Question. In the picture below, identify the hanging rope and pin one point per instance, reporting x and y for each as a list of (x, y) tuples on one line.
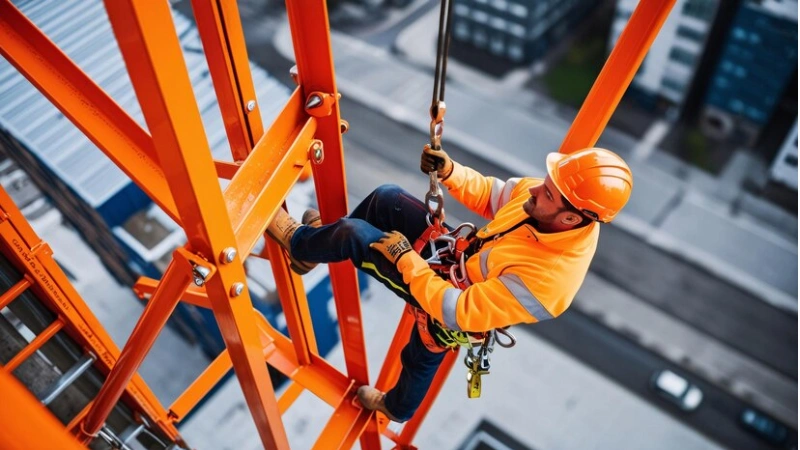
[(438, 106)]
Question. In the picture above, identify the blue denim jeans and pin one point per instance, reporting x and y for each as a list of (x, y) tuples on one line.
[(387, 208)]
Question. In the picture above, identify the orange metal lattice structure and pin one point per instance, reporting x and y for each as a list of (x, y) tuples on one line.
[(173, 165)]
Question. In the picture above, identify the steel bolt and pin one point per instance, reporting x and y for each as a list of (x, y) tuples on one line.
[(200, 275), (228, 255), (313, 101), (236, 289), (251, 105), (316, 151)]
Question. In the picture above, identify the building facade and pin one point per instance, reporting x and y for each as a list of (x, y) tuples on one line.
[(757, 61), (669, 69), (517, 30), (784, 167)]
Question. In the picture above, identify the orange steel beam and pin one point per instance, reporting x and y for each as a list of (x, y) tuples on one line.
[(14, 292), (345, 425), (295, 307), (145, 288), (81, 100), (254, 194), (27, 423), (308, 21), (312, 49), (34, 345), (289, 395), (176, 278), (201, 386), (617, 73), (223, 43), (26, 251), (152, 53)]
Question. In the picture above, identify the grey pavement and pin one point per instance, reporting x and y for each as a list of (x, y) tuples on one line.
[(541, 400), (673, 206)]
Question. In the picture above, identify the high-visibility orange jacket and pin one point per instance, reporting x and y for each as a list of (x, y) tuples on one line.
[(522, 276)]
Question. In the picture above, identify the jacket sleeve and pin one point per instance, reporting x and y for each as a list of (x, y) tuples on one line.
[(494, 303), (481, 194)]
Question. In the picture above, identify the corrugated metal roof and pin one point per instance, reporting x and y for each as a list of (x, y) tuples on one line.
[(83, 32)]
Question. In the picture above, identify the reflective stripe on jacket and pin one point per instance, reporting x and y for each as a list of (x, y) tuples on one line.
[(523, 276)]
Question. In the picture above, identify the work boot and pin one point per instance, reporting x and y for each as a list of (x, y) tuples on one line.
[(282, 229), (373, 400), (311, 218)]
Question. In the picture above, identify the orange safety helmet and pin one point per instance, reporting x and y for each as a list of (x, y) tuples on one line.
[(595, 181)]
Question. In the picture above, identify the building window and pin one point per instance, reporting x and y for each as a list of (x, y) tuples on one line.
[(500, 5), (480, 16), (461, 30), (517, 30), (701, 9), (496, 45), (497, 23), (480, 38), (690, 33), (675, 85), (516, 52), (518, 10), (461, 10), (682, 56)]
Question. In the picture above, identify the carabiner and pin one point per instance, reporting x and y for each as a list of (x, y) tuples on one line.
[(508, 344), (435, 197)]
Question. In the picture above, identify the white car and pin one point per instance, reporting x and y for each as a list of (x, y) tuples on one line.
[(677, 390)]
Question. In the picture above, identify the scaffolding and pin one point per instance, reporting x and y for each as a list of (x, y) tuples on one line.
[(173, 164)]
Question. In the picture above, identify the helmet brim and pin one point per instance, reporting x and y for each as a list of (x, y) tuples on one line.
[(552, 163)]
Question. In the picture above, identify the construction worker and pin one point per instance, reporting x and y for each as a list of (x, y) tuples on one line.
[(526, 265)]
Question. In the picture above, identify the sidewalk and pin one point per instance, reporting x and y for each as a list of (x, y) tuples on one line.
[(673, 206)]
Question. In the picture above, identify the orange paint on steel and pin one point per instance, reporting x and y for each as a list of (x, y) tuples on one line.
[(145, 287), (262, 182), (617, 73), (290, 394), (223, 44), (345, 425), (27, 424), (201, 386), (176, 278), (34, 345), (226, 170), (294, 304), (26, 251), (72, 426), (152, 53), (311, 38), (14, 291), (81, 100)]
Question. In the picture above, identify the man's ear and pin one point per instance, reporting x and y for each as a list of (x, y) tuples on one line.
[(571, 219)]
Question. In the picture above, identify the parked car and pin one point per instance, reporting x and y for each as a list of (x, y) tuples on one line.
[(763, 426), (677, 390)]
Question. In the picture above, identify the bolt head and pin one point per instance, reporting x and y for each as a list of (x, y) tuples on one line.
[(237, 289), (251, 105), (228, 255), (198, 281)]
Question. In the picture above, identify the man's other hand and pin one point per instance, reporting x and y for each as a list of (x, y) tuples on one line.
[(392, 246), (436, 160)]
